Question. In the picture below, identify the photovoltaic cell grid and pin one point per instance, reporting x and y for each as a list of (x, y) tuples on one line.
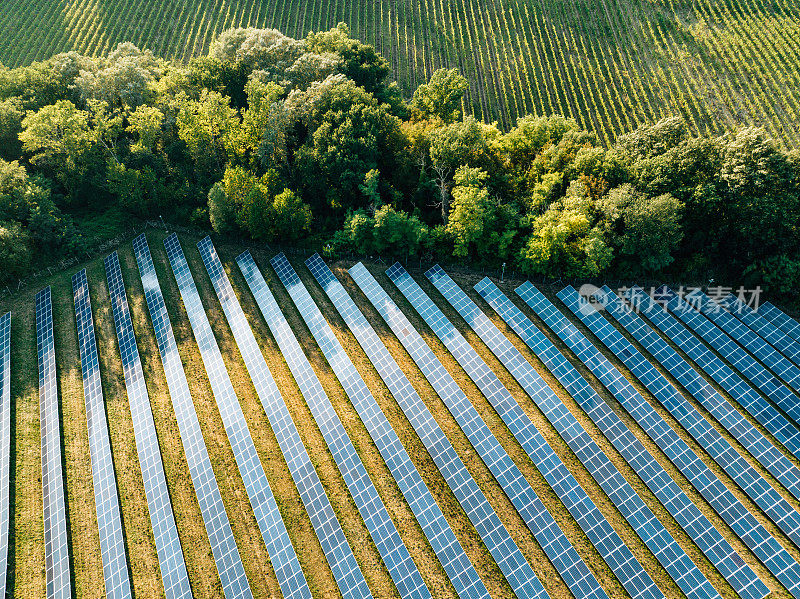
[(5, 443), (749, 436), (165, 532), (768, 331), (739, 469), (109, 520), (496, 537), (740, 390), (279, 546), (56, 553), (223, 546), (781, 320), (771, 357), (343, 565), (430, 517), (771, 386), (754, 535), (697, 526), (395, 554)]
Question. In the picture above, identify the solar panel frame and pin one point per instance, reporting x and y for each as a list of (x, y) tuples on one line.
[(56, 549), (724, 557), (5, 444), (265, 508), (495, 536), (104, 480), (430, 517), (730, 509), (333, 541), (781, 320), (220, 535), (668, 552), (174, 576), (737, 425), (758, 407), (763, 327)]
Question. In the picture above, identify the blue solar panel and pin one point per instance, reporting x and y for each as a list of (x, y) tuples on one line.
[(430, 517), (771, 386), (56, 552), (708, 538), (739, 389), (109, 520), (5, 443), (739, 427), (639, 516), (165, 532), (279, 546), (781, 320), (768, 331), (223, 546), (329, 532), (496, 537), (755, 536), (738, 468)]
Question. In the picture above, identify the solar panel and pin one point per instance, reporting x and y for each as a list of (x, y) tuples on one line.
[(323, 518), (691, 519), (223, 546), (430, 517), (755, 536), (780, 319), (494, 534), (56, 552), (639, 516), (109, 520), (5, 443), (761, 325), (165, 533), (739, 389), (273, 531), (737, 425), (738, 357), (717, 446)]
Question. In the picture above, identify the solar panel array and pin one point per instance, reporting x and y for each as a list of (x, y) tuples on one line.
[(730, 460), (165, 533), (728, 379), (109, 520), (743, 523), (691, 519), (781, 320), (766, 329), (5, 443), (771, 358), (223, 546), (56, 552), (343, 564), (395, 554), (430, 517), (739, 427), (279, 546), (496, 537), (718, 339)]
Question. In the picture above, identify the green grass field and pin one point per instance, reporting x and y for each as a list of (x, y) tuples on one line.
[(610, 64), (27, 559)]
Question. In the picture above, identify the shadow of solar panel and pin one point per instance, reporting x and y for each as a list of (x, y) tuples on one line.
[(109, 520), (765, 329), (218, 528), (739, 389), (329, 532), (697, 526), (755, 536), (737, 425), (273, 531), (5, 443), (430, 517), (780, 319), (56, 553), (165, 533), (639, 516), (496, 537)]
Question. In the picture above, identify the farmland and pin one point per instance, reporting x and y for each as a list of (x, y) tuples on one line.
[(612, 65)]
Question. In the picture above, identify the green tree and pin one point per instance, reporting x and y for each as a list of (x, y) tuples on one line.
[(469, 209), (291, 218), (15, 254), (441, 97)]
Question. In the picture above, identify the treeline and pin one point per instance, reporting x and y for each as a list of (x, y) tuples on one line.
[(281, 139)]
